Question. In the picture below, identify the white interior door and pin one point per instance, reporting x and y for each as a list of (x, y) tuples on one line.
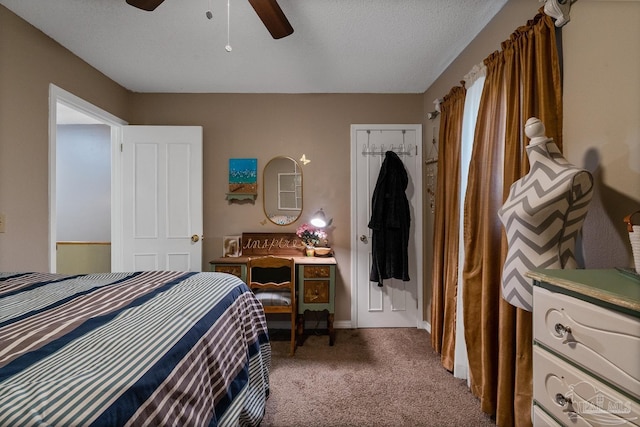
[(396, 303), (161, 198)]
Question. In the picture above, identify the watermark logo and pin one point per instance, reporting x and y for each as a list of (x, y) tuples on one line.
[(593, 404)]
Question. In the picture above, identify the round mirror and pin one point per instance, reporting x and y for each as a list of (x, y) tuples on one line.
[(282, 190)]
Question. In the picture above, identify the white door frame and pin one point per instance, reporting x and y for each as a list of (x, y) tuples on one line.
[(59, 95), (418, 220)]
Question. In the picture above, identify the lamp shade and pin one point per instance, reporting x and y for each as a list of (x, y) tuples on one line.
[(319, 219)]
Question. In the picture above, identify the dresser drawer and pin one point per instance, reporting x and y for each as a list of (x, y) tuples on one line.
[(598, 339), (587, 401), (542, 419)]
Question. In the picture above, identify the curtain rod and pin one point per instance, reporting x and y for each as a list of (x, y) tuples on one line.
[(558, 10)]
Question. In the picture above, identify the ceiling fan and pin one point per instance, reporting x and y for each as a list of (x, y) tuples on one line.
[(268, 11)]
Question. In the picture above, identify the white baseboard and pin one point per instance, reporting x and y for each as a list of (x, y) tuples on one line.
[(426, 326), (310, 324), (322, 324), (343, 324)]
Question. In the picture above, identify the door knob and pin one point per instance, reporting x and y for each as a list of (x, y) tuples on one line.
[(364, 239), (195, 238)]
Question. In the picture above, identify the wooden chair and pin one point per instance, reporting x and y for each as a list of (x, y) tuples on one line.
[(273, 280)]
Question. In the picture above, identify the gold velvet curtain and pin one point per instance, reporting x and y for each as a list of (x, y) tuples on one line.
[(523, 80), (446, 220), (483, 263)]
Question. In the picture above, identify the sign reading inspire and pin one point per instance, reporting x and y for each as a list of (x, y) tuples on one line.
[(271, 244)]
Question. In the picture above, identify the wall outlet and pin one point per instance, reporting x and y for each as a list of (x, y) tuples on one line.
[(3, 223)]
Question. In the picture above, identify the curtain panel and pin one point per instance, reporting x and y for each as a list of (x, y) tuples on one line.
[(482, 236), (474, 83), (447, 216), (523, 80)]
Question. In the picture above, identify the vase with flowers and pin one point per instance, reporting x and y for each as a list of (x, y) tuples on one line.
[(311, 237)]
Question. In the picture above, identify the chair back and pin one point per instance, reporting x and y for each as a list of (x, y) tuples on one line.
[(273, 280), (271, 275)]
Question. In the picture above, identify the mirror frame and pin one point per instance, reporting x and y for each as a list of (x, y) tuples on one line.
[(266, 189)]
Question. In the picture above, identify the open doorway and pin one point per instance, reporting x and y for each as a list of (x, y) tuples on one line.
[(82, 143), (83, 193)]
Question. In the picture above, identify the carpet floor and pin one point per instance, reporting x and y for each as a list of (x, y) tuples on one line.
[(370, 377)]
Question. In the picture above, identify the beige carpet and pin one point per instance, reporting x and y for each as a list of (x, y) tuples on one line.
[(371, 377)]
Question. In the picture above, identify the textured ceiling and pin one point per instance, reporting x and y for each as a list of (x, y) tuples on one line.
[(338, 46)]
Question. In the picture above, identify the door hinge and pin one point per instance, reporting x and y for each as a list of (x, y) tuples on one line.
[(121, 147)]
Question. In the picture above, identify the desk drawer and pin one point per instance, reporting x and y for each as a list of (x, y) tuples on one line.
[(575, 398), (316, 292), (236, 270), (600, 340), (317, 271)]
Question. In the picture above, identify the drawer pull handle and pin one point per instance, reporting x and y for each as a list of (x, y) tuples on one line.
[(562, 400), (562, 330)]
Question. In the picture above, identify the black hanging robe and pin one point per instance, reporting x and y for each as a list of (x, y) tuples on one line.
[(390, 221)]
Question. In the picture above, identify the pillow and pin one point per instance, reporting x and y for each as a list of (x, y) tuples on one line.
[(273, 298)]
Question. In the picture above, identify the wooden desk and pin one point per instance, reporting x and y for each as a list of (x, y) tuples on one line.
[(315, 282)]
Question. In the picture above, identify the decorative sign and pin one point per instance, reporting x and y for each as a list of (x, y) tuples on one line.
[(243, 176), (271, 244)]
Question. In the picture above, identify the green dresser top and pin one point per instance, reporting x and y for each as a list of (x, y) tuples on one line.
[(609, 288)]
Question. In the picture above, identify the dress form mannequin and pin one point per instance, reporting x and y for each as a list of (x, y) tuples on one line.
[(542, 216)]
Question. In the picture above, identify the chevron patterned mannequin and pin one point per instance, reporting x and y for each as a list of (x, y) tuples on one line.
[(542, 216)]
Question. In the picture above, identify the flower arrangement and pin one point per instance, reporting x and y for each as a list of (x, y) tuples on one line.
[(310, 235)]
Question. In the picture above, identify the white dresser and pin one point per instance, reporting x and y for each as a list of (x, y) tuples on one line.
[(586, 349)]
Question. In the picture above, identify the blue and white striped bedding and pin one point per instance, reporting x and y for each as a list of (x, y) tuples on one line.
[(131, 349)]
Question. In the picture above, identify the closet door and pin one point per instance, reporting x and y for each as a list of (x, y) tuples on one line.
[(397, 303)]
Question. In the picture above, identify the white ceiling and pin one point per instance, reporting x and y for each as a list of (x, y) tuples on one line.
[(338, 46)]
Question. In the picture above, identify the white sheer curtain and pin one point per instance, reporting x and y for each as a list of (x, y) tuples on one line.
[(474, 82)]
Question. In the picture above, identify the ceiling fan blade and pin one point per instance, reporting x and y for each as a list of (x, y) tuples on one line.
[(147, 5), (272, 17)]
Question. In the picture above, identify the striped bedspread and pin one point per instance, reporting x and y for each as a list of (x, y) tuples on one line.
[(151, 349)]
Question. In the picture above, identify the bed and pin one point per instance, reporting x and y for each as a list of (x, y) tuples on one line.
[(155, 348)]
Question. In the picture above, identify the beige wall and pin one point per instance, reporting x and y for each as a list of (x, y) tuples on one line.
[(602, 120), (601, 69), (83, 257), (29, 62)]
